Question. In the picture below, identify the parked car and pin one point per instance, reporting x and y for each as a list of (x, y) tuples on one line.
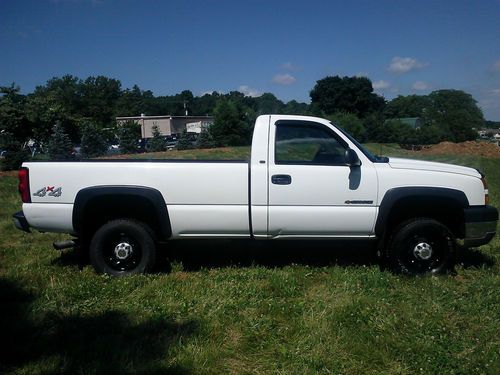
[(306, 179)]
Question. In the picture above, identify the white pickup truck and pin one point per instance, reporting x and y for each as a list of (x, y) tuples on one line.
[(306, 179)]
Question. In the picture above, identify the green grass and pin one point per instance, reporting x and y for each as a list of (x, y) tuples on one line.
[(242, 308)]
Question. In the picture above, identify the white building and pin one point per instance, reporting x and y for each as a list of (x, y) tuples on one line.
[(168, 125)]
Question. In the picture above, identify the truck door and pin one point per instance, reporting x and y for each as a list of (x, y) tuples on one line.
[(312, 192)]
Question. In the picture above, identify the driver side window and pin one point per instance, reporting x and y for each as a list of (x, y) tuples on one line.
[(307, 144)]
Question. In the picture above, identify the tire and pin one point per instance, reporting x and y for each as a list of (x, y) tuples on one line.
[(123, 247), (421, 246)]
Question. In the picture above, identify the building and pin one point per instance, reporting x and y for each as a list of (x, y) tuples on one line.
[(489, 133), (168, 125)]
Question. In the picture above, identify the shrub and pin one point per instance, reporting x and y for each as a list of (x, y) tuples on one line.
[(93, 143), (157, 143), (184, 142), (14, 155), (205, 139), (351, 124), (60, 146), (129, 133), (229, 129)]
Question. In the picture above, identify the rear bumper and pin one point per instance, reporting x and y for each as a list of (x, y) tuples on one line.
[(480, 225), (20, 221)]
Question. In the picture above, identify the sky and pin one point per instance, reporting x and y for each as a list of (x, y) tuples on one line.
[(405, 47)]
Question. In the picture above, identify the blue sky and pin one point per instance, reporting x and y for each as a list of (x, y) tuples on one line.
[(283, 47)]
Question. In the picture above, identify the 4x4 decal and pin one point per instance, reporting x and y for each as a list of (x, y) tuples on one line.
[(50, 191)]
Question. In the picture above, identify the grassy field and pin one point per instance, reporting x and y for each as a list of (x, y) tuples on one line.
[(246, 308)]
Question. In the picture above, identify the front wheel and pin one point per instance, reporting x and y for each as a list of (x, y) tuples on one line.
[(122, 247), (421, 246)]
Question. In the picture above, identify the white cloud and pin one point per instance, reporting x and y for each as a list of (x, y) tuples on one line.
[(289, 66), (496, 92), (249, 91), (402, 65), (496, 66), (284, 79), (362, 74), (380, 85), (421, 86)]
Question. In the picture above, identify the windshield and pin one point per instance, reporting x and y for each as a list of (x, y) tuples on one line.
[(373, 158)]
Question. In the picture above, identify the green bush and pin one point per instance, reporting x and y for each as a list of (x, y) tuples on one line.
[(229, 129), (93, 143), (184, 142), (157, 143), (205, 139), (14, 155), (129, 133), (351, 124), (60, 146)]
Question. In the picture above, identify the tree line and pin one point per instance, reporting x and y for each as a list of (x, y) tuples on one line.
[(68, 111)]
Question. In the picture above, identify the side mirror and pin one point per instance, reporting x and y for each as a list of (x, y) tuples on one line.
[(351, 158)]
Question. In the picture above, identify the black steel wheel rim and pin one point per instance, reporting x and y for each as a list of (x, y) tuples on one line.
[(437, 240), (111, 258)]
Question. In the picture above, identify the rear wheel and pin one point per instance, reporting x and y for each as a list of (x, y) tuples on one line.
[(421, 246), (122, 247)]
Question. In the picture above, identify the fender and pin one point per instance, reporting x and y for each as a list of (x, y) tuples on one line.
[(416, 195), (121, 196)]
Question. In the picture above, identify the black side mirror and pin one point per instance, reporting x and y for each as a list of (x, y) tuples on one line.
[(351, 158)]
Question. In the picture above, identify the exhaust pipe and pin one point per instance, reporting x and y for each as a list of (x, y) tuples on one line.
[(61, 245)]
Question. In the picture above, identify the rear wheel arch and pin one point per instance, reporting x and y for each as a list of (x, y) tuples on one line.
[(95, 206)]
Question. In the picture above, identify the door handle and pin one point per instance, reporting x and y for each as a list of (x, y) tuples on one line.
[(281, 179)]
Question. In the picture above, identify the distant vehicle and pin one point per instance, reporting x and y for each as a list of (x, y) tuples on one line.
[(306, 179), (171, 142)]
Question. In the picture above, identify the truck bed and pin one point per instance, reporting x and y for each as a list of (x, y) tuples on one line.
[(203, 197)]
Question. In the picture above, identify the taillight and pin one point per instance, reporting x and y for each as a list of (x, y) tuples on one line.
[(486, 193), (24, 185)]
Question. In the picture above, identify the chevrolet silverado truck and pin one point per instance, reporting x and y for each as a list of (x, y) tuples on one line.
[(306, 179)]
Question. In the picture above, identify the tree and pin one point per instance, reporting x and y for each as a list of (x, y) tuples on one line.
[(408, 106), (205, 139), (395, 131), (157, 143), (129, 132), (351, 124), (346, 94), (93, 143), (15, 154), (13, 117), (60, 146), (184, 142), (267, 103), (99, 96), (58, 101), (295, 108), (429, 134), (456, 113), (229, 129)]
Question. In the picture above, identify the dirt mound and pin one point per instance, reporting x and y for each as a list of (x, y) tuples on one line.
[(485, 149)]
